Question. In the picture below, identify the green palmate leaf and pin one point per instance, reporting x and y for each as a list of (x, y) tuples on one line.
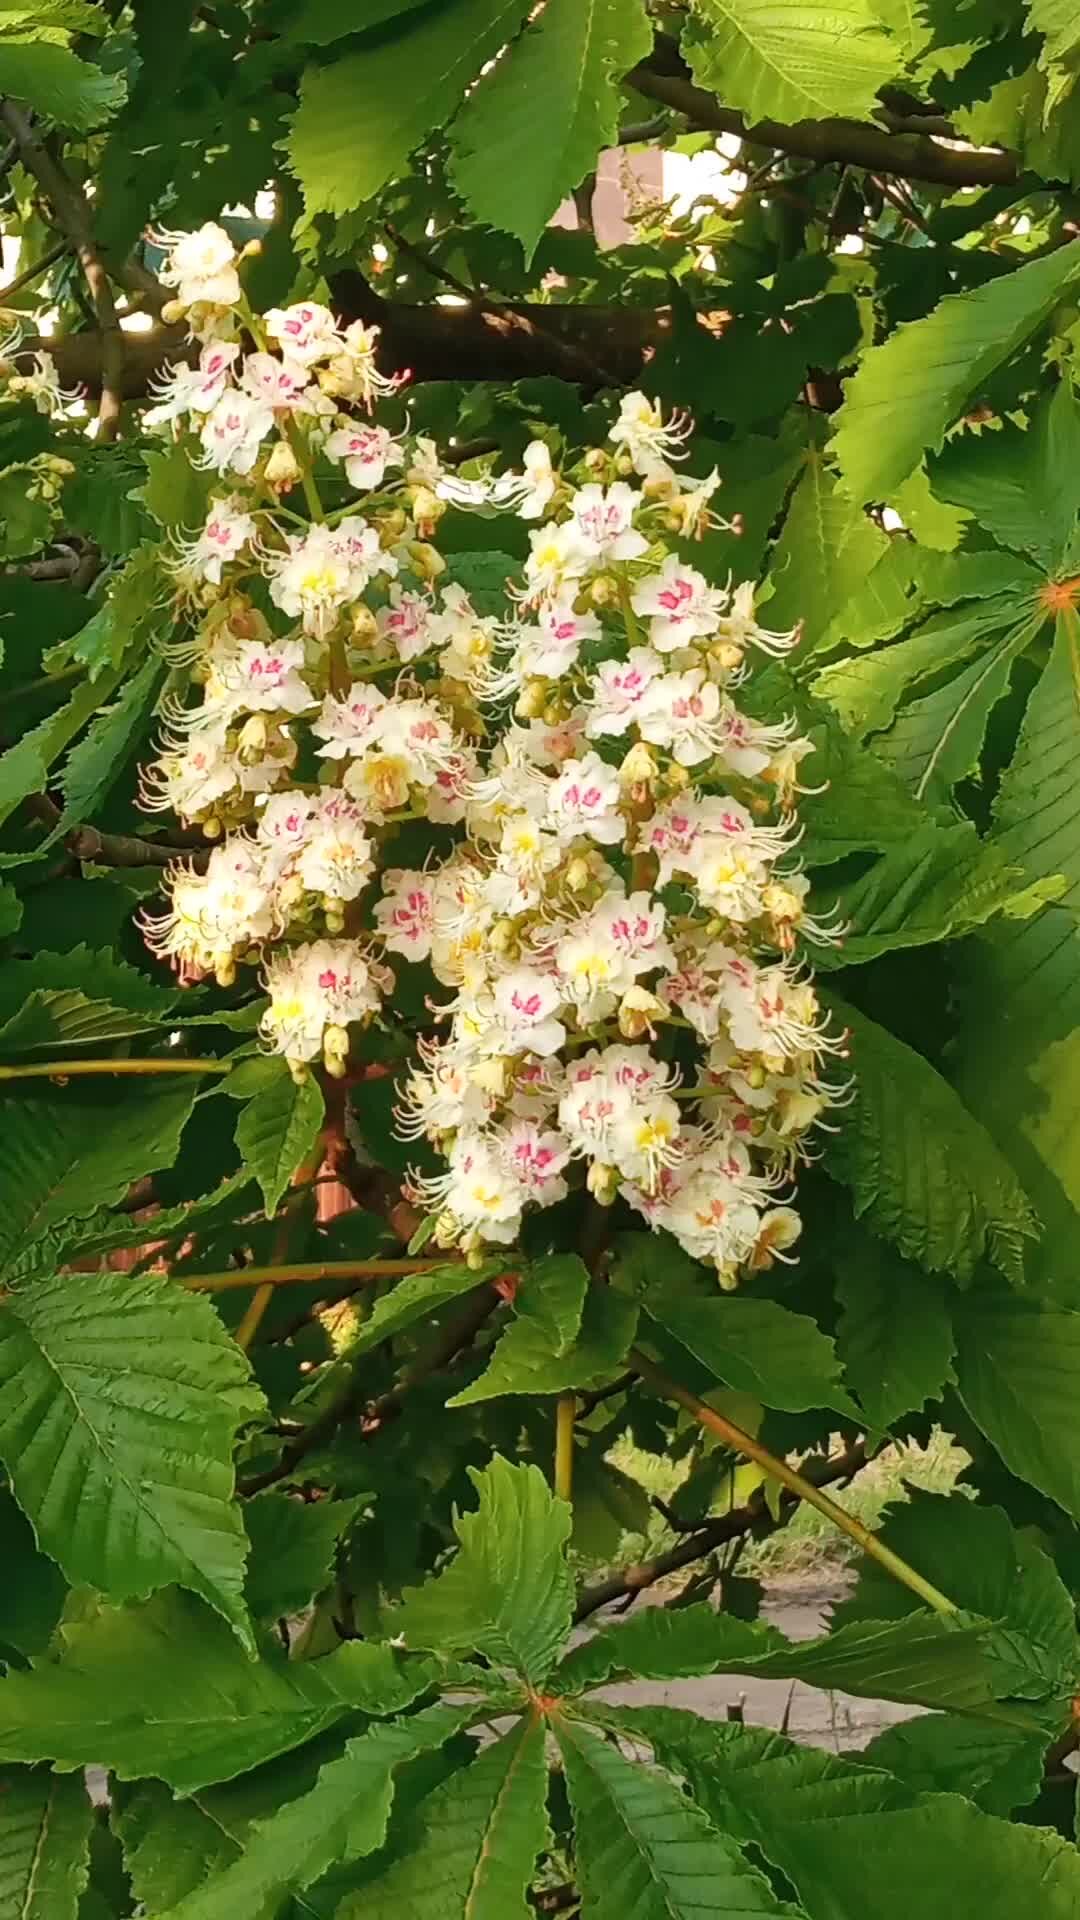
[(1038, 808), (547, 1308), (855, 1843), (784, 60), (909, 390), (937, 885), (937, 740), (895, 1335), (474, 1841), (68, 1154), (167, 1689), (102, 754), (1018, 1366), (923, 1658), (278, 1130), (908, 582), (125, 1467), (508, 1592), (867, 690), (318, 22), (758, 1347), (644, 1851), (11, 910), (343, 1817), (55, 82), (52, 1017), (44, 1844), (1060, 56), (24, 766), (415, 1298), (827, 548), (99, 975), (293, 1547), (533, 127), (528, 1359), (996, 1767), (922, 1170), (973, 1553), (360, 118), (1021, 484)]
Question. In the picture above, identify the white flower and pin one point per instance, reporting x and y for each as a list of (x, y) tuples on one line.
[(558, 557), (680, 711), (405, 916), (284, 824), (540, 478), (318, 575), (406, 623), (352, 373), (262, 679), (42, 386), (585, 800), (551, 647), (479, 1193), (366, 453), (193, 389), (202, 267), (467, 637), (306, 332), (280, 384), (740, 627), (233, 432), (640, 429), (681, 604), (619, 691), (348, 725), (191, 775), (525, 1004), (335, 859), (227, 532), (325, 984), (536, 1157), (604, 519), (214, 913)]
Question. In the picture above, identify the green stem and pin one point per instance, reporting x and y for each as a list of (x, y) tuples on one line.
[(289, 1273), (307, 478), (744, 1443), (630, 619), (565, 1411), (69, 1069)]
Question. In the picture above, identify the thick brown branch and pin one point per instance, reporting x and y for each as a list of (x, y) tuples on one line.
[(109, 849), (73, 215), (915, 156)]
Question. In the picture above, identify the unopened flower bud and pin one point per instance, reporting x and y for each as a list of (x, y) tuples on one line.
[(363, 624), (290, 891), (503, 936), (624, 466), (639, 1011), (282, 470), (252, 739), (475, 1258), (676, 778), (427, 508), (532, 700), (728, 1278), (334, 918), (755, 1076), (491, 1076), (172, 312), (391, 525), (578, 874), (604, 591), (639, 769), (299, 1072), (596, 459), (212, 828), (225, 970), (728, 656), (427, 561), (335, 1048), (603, 1183), (252, 249)]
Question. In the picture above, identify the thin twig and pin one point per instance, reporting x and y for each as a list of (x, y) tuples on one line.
[(29, 274), (753, 1518), (734, 1437), (72, 211), (292, 1273), (61, 1070)]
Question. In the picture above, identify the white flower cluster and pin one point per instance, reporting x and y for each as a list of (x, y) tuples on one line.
[(613, 910)]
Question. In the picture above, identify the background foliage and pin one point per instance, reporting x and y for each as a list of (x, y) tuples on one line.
[(219, 1522)]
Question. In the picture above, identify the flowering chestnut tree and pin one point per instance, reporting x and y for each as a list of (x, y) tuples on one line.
[(538, 873)]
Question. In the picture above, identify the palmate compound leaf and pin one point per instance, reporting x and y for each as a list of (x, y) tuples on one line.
[(473, 1842), (1021, 483), (278, 1130), (923, 1659), (867, 688), (827, 548), (55, 82), (1018, 1369), (534, 1355), (508, 1592), (643, 1850), (761, 1348), (1037, 812), (922, 1170), (855, 1843), (787, 60), (909, 390), (45, 1822), (167, 1689), (895, 1333), (120, 1397), (342, 1817), (533, 127), (361, 117), (68, 1153), (937, 740), (293, 1548)]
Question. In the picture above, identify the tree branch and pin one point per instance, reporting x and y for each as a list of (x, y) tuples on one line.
[(915, 156), (752, 1518)]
